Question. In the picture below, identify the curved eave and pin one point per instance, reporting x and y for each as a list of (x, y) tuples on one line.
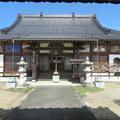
[(7, 29)]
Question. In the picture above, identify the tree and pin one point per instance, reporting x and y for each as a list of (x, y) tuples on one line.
[(116, 61)]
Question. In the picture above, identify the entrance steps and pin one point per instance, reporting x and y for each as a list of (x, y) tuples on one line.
[(45, 76), (38, 80), (51, 83), (49, 75)]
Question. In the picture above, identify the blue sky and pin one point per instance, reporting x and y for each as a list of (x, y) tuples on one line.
[(107, 14)]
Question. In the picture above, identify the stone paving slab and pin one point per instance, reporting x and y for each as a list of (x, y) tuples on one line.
[(53, 97)]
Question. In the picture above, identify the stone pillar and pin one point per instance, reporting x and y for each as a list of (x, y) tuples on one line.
[(74, 55)]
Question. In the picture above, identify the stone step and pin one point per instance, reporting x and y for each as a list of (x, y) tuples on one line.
[(51, 83)]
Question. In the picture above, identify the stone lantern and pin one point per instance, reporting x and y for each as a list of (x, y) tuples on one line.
[(88, 64), (22, 72)]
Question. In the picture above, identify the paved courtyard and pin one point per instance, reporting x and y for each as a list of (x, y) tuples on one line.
[(52, 103)]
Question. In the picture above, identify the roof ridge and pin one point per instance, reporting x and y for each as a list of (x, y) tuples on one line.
[(56, 15)]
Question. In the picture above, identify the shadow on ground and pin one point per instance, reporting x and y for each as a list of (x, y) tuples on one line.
[(56, 114)]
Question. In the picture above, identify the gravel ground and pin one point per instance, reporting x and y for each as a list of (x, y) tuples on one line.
[(9, 99), (105, 99), (102, 104)]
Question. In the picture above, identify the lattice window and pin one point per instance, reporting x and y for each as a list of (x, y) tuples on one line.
[(101, 48), (100, 63), (115, 48)]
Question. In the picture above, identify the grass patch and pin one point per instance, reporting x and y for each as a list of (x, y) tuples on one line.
[(83, 90), (20, 90)]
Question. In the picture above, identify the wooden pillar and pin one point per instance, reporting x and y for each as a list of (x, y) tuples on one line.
[(34, 66), (38, 60), (4, 57), (108, 52), (91, 51), (76, 56), (73, 65)]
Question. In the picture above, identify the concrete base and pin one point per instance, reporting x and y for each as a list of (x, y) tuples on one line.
[(106, 78), (100, 84), (11, 85), (33, 81), (56, 78), (88, 84)]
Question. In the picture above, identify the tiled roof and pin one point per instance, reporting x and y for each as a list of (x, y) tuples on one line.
[(58, 27)]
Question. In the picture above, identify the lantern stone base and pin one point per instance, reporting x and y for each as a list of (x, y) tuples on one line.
[(88, 82), (22, 80)]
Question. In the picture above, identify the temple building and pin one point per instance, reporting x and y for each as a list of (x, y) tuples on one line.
[(42, 40)]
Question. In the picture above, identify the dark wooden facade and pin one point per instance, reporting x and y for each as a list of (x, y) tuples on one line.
[(41, 57)]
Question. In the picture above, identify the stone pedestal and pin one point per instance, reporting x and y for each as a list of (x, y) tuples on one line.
[(56, 77)]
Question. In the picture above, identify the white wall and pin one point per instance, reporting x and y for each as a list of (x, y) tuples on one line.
[(1, 63)]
